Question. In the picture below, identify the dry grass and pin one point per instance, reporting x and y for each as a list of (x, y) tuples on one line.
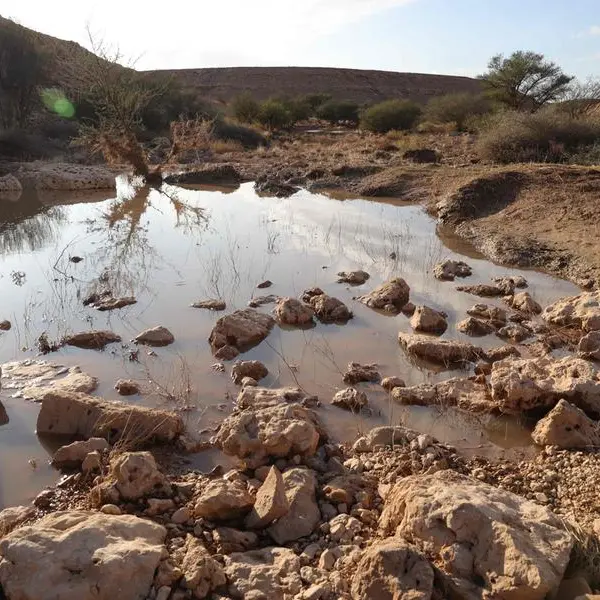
[(585, 556)]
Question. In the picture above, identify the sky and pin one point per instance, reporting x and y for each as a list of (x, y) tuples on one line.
[(455, 37)]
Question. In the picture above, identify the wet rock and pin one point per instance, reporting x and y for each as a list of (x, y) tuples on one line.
[(259, 398), (127, 387), (422, 156), (389, 383), (62, 176), (356, 373), (391, 570), (303, 514), (495, 315), (91, 340), (512, 281), (450, 269), (271, 502), (212, 304), (275, 189), (272, 573), (514, 332), (208, 174), (466, 394), (309, 294), (109, 303), (228, 540), (350, 399), (262, 300), (475, 327), (248, 368), (483, 290), (156, 336), (486, 541), (85, 416), (72, 455), (525, 303), (520, 385), (391, 296), (223, 500), (264, 284), (353, 277), (582, 312), (328, 309), (13, 516), (249, 381), (290, 311), (5, 325), (385, 436), (73, 555), (589, 346), (10, 188), (136, 475), (268, 427), (409, 309), (502, 352), (428, 320), (567, 426), (239, 332), (444, 352), (74, 381)]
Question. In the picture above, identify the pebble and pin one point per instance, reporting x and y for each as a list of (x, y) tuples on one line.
[(327, 560), (181, 516)]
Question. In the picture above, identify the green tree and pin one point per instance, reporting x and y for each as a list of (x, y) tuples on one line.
[(274, 115), (391, 114), (525, 80), (245, 108), (456, 108), (337, 111)]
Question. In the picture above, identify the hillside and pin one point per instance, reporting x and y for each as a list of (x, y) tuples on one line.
[(222, 84)]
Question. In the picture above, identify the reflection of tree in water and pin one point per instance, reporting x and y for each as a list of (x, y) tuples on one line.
[(28, 225)]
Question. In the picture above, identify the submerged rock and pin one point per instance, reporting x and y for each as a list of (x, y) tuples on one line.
[(156, 336), (582, 312), (253, 369), (74, 555), (127, 387), (429, 320), (290, 311), (516, 281), (475, 327), (350, 399), (390, 296), (212, 304), (450, 269), (389, 383), (567, 426), (353, 277), (327, 309), (105, 303), (91, 340), (443, 352), (264, 284), (239, 332), (357, 373), (486, 542)]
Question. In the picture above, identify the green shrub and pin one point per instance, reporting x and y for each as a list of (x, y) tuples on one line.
[(456, 108), (245, 108), (315, 101), (274, 115), (546, 136), (298, 108), (339, 111), (389, 115)]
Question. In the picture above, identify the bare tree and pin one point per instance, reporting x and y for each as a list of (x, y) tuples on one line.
[(582, 98)]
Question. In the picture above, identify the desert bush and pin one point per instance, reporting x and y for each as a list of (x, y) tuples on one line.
[(274, 115), (315, 101), (233, 132), (586, 155), (298, 108), (456, 108), (339, 111), (391, 114), (245, 108), (546, 136)]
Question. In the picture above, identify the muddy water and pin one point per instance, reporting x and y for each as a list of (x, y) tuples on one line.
[(177, 246)]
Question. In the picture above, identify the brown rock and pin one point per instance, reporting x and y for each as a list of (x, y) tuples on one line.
[(329, 310), (223, 500), (357, 373), (428, 320), (389, 383), (212, 304), (450, 269), (525, 303), (290, 311), (350, 399), (91, 340), (136, 475), (488, 312), (157, 336), (248, 368), (201, 573), (74, 381), (109, 303), (582, 312), (495, 354), (228, 540), (589, 346), (483, 290), (265, 284), (239, 332), (72, 455), (127, 387), (353, 277), (391, 296), (271, 502), (475, 327), (445, 352), (514, 332)]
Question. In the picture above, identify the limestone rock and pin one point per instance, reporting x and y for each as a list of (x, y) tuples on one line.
[(13, 516), (156, 336), (271, 502), (582, 312), (92, 462), (444, 352), (266, 574), (428, 320), (568, 427), (73, 455), (212, 304), (357, 373), (350, 399), (450, 269), (201, 573), (475, 327), (525, 303), (488, 312), (239, 332), (136, 475), (484, 290), (392, 570), (228, 540), (74, 381), (248, 368), (520, 385), (390, 296), (75, 555), (489, 542), (223, 500), (42, 175), (327, 308), (127, 387), (385, 436), (514, 332), (303, 514), (290, 311), (589, 346), (389, 383), (495, 354), (91, 340), (85, 416), (353, 277), (259, 397)]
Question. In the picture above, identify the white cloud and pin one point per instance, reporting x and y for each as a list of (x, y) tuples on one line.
[(590, 31), (203, 32)]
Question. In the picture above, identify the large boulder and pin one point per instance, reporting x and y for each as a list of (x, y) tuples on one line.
[(390, 296), (77, 555), (74, 381), (488, 542), (428, 320), (582, 312), (238, 332), (84, 416), (303, 514), (448, 270), (519, 385), (392, 570), (266, 574), (568, 427), (442, 352), (270, 424), (223, 500), (290, 311)]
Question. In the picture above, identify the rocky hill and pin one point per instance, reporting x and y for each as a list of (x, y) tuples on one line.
[(222, 84)]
